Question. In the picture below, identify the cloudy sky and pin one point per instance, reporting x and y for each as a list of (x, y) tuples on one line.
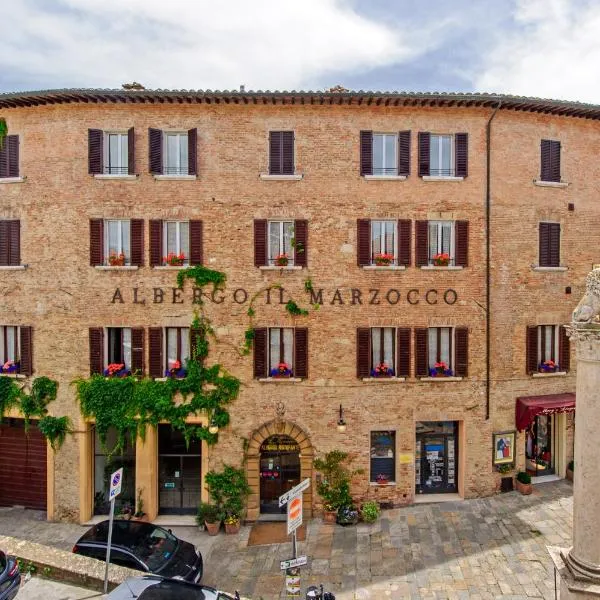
[(546, 48)]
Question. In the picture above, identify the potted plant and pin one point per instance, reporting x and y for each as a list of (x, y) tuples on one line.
[(228, 490), (116, 370), (125, 511), (232, 523), (10, 366), (382, 478), (369, 511), (548, 366), (281, 370), (382, 370), (383, 259), (570, 470), (116, 260), (524, 483), (208, 516), (440, 369), (282, 260), (139, 514), (506, 483), (442, 259), (174, 260), (175, 370)]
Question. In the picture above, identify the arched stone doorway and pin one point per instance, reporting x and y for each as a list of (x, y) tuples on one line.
[(267, 441)]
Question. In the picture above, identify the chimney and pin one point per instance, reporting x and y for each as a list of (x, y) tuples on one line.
[(242, 88)]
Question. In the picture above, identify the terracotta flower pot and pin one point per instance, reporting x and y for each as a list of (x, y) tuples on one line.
[(144, 518), (232, 527), (329, 516), (569, 475), (524, 488), (212, 528)]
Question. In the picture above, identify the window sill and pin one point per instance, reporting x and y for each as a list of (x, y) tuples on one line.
[(385, 177), (438, 379), (385, 379), (441, 178), (440, 268), (388, 484), (384, 268), (13, 267), (554, 184), (544, 269), (268, 177), (13, 179), (115, 176), (170, 267), (109, 268), (175, 177), (554, 374), (276, 268), (279, 379), (13, 375)]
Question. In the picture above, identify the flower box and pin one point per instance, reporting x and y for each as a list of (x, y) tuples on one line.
[(116, 260), (382, 260), (440, 369), (282, 260), (174, 260), (176, 370), (548, 366), (116, 370), (382, 370), (281, 370), (441, 260), (10, 367), (382, 478)]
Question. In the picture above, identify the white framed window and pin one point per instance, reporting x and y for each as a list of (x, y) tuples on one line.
[(384, 242), (548, 343), (281, 235), (9, 345), (441, 241), (176, 240), (440, 347), (383, 351), (385, 154), (117, 242), (281, 351), (177, 341), (441, 155), (116, 153), (176, 153), (118, 346)]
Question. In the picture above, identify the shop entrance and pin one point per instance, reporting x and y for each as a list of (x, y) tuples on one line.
[(436, 457), (541, 445), (279, 471), (179, 472)]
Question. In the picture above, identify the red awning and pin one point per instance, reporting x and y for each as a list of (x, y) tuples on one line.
[(530, 406)]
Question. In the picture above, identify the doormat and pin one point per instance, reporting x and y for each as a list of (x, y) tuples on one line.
[(273, 532)]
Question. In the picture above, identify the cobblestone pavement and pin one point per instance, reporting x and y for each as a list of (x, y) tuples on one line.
[(477, 549)]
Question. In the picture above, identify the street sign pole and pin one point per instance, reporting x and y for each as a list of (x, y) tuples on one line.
[(110, 527)]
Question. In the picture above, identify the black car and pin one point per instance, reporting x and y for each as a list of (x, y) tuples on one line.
[(10, 578), (154, 587), (143, 546)]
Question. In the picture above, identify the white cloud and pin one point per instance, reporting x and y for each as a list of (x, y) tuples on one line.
[(554, 53), (207, 44)]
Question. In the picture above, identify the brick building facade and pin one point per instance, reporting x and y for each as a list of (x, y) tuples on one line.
[(364, 194)]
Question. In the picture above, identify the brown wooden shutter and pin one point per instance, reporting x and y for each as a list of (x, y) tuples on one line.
[(137, 242), (461, 355), (275, 144), (301, 242), (4, 243), (404, 242), (12, 143), (544, 258), (363, 352), (155, 146), (421, 352), (461, 154), (403, 352), (26, 342), (260, 352), (424, 158), (95, 151), (260, 242), (555, 169), (363, 242), (156, 239), (287, 152), (193, 151), (366, 153), (96, 350), (531, 352), (550, 160), (301, 352), (14, 243), (4, 160), (564, 350), (461, 244), (196, 242), (131, 151), (137, 351), (404, 153), (96, 242), (155, 347), (554, 244), (422, 243)]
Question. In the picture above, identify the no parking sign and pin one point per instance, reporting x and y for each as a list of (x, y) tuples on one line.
[(116, 481)]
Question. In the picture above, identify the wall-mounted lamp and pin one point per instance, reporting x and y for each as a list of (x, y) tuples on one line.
[(213, 427), (341, 424)]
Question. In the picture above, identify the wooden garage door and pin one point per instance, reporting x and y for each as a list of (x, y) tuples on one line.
[(22, 465)]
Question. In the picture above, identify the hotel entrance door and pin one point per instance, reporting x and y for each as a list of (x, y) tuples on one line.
[(436, 457), (279, 471)]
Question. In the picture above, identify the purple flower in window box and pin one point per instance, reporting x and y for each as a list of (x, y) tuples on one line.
[(116, 370), (548, 366), (382, 370), (10, 367), (440, 369), (281, 370), (176, 370)]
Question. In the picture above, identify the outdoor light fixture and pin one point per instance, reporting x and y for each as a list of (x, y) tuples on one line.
[(341, 424), (213, 427)]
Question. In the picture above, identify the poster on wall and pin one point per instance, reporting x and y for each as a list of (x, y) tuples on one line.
[(503, 448)]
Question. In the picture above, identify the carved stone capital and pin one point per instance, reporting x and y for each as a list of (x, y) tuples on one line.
[(587, 340)]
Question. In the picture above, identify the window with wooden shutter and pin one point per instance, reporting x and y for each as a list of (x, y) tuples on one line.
[(131, 151), (281, 153), (137, 242), (301, 242), (550, 160), (260, 352), (403, 352), (421, 243), (137, 351), (424, 153), (421, 352), (4, 243), (363, 352), (301, 352), (155, 148), (260, 242), (10, 243), (156, 237), (96, 242), (96, 337), (531, 352), (95, 151), (461, 154), (196, 242), (404, 153), (461, 352), (564, 360), (366, 153), (155, 344), (461, 244), (404, 242), (549, 234), (26, 343), (10, 353), (385, 154), (192, 139), (9, 157), (363, 242)]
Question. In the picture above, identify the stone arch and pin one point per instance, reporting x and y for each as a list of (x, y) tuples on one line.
[(258, 436)]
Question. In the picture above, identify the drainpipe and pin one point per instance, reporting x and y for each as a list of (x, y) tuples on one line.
[(487, 259)]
